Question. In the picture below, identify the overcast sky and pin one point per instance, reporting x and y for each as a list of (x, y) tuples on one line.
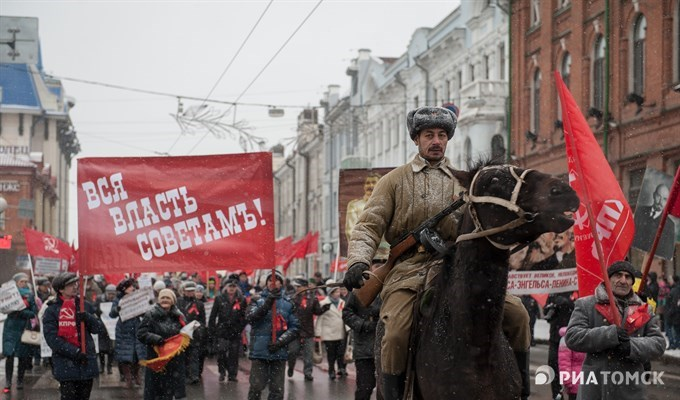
[(182, 48)]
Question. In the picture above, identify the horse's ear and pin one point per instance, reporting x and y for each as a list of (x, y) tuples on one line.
[(463, 177)]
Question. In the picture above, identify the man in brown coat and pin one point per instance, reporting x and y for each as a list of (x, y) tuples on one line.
[(401, 201)]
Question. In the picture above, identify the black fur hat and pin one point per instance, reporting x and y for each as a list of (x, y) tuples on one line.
[(431, 117), (619, 266), (62, 280)]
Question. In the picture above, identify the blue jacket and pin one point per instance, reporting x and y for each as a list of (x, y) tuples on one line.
[(128, 348), (260, 317), (65, 366), (14, 326)]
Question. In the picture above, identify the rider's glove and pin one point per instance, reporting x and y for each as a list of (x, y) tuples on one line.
[(353, 277)]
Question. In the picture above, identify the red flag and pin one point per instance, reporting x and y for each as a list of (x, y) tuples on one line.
[(40, 244), (592, 178), (339, 264), (73, 262), (313, 243), (281, 249), (5, 241), (674, 197)]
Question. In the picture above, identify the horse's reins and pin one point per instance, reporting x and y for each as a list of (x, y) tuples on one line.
[(330, 285), (523, 217)]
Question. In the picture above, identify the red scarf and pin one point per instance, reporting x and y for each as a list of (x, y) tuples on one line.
[(67, 322)]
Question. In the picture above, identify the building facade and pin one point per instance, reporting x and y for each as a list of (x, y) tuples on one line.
[(621, 61), (37, 138)]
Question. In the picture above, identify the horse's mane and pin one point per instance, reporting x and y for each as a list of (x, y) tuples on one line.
[(484, 161)]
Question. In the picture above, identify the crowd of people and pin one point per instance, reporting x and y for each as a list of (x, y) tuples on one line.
[(582, 336)]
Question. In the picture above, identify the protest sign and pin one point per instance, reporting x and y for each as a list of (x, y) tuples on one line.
[(135, 303), (535, 282), (109, 323), (49, 266), (10, 299)]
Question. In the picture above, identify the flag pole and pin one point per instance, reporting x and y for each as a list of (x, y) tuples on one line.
[(666, 209), (82, 309), (589, 208)]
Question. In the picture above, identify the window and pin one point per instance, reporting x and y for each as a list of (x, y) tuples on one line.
[(501, 66), (459, 77), (566, 68), (447, 91), (535, 12), (435, 96), (536, 102), (598, 73), (639, 36), (635, 177), (472, 72), (415, 102), (562, 3), (487, 67)]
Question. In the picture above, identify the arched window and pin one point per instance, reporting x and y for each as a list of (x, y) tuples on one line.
[(639, 36), (536, 102), (598, 73), (535, 13)]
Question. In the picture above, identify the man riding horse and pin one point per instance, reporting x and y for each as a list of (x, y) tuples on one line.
[(400, 202)]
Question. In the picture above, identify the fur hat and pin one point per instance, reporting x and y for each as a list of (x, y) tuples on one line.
[(619, 266), (189, 286), (200, 288), (62, 280), (431, 117), (168, 293), (110, 288), (124, 284)]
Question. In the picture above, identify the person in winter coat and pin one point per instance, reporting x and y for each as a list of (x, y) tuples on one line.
[(73, 369), (306, 307), (15, 324), (402, 200), (612, 348), (672, 323), (331, 329), (268, 358), (363, 321), (227, 320), (129, 350), (163, 321), (570, 362), (193, 310), (534, 311)]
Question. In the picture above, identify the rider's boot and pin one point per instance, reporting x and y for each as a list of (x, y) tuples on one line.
[(393, 386), (523, 364)]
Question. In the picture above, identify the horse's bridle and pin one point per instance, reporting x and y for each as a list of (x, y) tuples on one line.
[(523, 217)]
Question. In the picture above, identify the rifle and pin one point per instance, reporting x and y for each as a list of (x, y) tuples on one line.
[(374, 280)]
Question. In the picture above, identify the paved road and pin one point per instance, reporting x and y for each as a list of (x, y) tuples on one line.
[(41, 386)]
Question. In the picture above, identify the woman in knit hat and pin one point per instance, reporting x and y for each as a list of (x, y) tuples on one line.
[(15, 324), (128, 349), (162, 322)]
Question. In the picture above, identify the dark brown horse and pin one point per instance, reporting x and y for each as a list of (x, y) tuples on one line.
[(461, 351)]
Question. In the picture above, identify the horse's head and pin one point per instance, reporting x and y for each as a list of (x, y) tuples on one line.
[(511, 205)]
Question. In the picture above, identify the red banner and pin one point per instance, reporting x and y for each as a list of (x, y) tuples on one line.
[(40, 244), (161, 214), (5, 241), (592, 178)]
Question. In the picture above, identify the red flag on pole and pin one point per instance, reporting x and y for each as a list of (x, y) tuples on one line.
[(40, 244), (603, 210), (313, 243), (73, 262)]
